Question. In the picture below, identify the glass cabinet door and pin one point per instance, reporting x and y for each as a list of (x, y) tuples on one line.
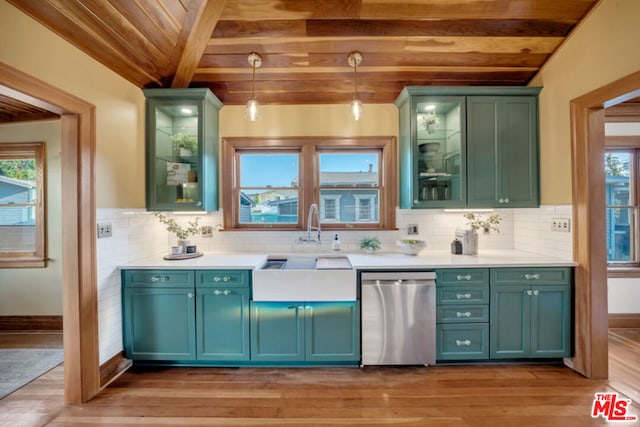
[(439, 151), (182, 149), (176, 153)]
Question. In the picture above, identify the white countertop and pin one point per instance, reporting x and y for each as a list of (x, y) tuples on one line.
[(383, 260)]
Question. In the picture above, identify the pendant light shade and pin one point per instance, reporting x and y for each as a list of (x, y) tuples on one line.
[(354, 60), (252, 109)]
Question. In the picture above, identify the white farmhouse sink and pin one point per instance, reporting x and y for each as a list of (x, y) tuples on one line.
[(305, 278)]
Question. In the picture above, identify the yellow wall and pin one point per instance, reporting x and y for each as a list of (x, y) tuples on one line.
[(603, 49), (37, 291), (33, 49)]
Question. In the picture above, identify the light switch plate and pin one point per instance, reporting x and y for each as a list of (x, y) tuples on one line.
[(561, 224)]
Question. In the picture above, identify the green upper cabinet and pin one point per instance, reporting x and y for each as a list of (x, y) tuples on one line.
[(432, 152), (182, 149), (502, 151), (470, 147)]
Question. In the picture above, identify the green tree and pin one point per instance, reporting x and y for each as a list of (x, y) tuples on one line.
[(19, 169), (613, 166)]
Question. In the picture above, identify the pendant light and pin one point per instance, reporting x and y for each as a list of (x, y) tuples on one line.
[(354, 60), (251, 110)]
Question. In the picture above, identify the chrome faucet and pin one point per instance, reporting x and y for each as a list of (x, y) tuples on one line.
[(313, 209)]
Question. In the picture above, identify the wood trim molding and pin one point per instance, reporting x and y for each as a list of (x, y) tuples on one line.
[(80, 311), (588, 144), (30, 323), (628, 141), (113, 368), (624, 320)]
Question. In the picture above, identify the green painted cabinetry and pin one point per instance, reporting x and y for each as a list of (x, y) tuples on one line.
[(462, 314), (502, 151), (185, 315), (159, 315), (182, 149), (305, 332), (468, 147), (222, 315), (530, 312)]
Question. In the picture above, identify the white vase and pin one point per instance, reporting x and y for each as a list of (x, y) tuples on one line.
[(184, 243), (185, 152)]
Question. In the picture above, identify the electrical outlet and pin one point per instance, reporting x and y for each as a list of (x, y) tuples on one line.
[(207, 231), (104, 230), (560, 224), (412, 229)]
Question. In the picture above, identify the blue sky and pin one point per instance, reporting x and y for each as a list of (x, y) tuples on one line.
[(278, 170)]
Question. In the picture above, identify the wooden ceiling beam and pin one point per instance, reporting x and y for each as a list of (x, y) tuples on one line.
[(205, 19)]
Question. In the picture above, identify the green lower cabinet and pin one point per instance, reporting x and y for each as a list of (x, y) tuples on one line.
[(277, 332), (305, 332), (462, 341), (159, 323), (530, 321), (222, 319)]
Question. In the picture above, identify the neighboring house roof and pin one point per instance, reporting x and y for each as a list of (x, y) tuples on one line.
[(17, 182), (246, 200), (349, 178)]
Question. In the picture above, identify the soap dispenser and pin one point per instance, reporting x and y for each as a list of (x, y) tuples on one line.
[(335, 246)]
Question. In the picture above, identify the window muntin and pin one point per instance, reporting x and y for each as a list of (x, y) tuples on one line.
[(22, 225), (268, 188), (366, 167), (621, 206)]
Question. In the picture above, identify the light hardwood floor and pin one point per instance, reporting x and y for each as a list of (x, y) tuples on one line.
[(496, 395)]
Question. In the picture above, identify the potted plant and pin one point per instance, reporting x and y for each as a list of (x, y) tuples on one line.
[(476, 222), (182, 232), (185, 143), (370, 244)]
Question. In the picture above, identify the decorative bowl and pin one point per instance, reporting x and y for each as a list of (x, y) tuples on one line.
[(410, 246), (429, 147)]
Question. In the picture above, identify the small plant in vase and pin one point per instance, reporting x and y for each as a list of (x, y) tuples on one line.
[(185, 143), (370, 244), (476, 222), (182, 232)]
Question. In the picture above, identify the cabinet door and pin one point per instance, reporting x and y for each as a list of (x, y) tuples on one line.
[(432, 152), (551, 321), (222, 319), (182, 149), (159, 323), (332, 331), (277, 332), (502, 147), (510, 310)]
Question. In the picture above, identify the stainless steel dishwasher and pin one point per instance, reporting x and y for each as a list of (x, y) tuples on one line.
[(398, 318)]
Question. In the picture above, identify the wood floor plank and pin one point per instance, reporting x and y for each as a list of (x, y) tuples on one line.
[(501, 395)]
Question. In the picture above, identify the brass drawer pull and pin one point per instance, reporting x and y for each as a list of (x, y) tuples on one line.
[(463, 343)]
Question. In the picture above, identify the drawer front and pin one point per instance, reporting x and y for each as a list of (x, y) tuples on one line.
[(462, 295), (462, 313), (224, 278), (462, 276), (462, 341), (158, 278), (520, 276)]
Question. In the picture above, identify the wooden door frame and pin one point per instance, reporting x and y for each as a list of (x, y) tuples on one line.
[(588, 191), (80, 297)]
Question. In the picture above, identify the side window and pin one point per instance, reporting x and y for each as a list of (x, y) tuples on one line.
[(621, 206), (22, 205)]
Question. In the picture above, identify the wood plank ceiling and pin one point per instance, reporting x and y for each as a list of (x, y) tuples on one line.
[(305, 43)]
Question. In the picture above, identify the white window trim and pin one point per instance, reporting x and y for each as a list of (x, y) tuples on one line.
[(371, 199), (323, 216)]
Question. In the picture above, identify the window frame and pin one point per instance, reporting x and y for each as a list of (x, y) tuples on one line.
[(36, 258), (323, 212), (308, 180)]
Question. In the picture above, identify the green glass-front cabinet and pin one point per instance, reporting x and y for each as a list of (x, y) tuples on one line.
[(472, 147), (502, 151), (159, 315), (182, 149), (305, 332), (530, 313)]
